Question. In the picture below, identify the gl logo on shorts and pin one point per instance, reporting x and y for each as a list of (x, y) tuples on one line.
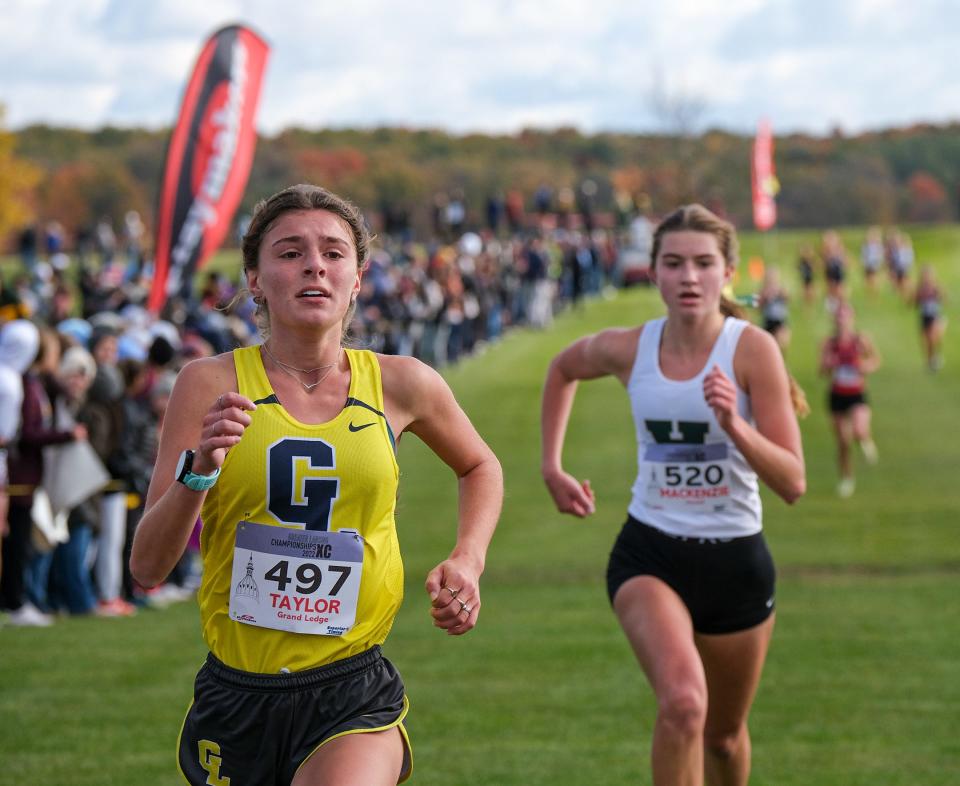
[(210, 761), (296, 494)]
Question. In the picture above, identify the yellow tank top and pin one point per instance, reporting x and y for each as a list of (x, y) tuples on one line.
[(345, 473)]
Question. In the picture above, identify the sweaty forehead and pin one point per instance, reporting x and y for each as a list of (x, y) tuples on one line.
[(689, 243), (309, 224)]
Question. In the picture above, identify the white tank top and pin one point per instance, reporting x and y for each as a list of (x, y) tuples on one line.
[(691, 480)]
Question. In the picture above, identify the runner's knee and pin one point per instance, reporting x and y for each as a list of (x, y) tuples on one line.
[(684, 712), (724, 743)]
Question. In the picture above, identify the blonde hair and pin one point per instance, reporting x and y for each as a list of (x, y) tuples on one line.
[(696, 218)]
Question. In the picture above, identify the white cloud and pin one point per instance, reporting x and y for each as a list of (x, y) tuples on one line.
[(492, 66)]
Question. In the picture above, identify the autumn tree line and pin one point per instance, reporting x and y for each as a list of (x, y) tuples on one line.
[(398, 175)]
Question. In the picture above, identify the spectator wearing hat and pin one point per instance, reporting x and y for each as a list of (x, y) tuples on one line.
[(19, 341), (58, 575), (37, 431), (76, 331), (103, 416)]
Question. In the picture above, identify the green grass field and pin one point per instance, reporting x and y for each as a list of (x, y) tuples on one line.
[(862, 685)]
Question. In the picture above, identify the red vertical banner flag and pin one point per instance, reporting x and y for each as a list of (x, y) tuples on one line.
[(763, 180), (208, 159)]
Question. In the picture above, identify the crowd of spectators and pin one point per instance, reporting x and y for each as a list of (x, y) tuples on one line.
[(102, 366)]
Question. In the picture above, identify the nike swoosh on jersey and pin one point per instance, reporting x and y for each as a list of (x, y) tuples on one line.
[(361, 427)]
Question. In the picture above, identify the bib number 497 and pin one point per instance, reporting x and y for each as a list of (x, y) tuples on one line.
[(309, 577), (301, 581)]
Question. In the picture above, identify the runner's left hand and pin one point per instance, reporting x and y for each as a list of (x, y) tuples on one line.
[(721, 396), (454, 590)]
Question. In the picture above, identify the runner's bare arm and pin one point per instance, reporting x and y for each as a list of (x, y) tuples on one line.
[(610, 352), (197, 418), (423, 404), (773, 447), (870, 358)]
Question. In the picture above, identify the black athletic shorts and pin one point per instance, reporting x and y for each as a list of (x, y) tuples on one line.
[(773, 325), (835, 272), (727, 585), (258, 729), (844, 402)]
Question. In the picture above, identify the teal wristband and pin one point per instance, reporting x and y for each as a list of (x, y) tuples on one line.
[(191, 479), (200, 482)]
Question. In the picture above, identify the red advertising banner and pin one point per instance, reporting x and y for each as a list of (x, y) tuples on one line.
[(208, 159), (764, 181)]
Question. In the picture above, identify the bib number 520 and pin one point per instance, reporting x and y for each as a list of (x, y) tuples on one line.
[(693, 475)]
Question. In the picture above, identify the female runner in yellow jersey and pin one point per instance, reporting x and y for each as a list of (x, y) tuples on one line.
[(287, 451)]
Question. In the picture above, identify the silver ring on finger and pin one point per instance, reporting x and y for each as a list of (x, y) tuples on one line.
[(464, 606), (453, 592)]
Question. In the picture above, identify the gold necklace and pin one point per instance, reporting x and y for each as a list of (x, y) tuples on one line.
[(287, 369)]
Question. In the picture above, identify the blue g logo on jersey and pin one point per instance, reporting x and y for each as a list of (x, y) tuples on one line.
[(296, 491)]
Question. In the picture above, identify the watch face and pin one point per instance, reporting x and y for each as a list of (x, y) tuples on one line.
[(184, 464)]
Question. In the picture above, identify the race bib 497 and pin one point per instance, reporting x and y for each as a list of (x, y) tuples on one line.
[(302, 581)]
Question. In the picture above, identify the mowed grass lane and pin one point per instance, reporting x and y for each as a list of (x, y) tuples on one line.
[(861, 686)]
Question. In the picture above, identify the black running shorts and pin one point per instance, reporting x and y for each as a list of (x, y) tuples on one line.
[(727, 585), (844, 402), (259, 728)]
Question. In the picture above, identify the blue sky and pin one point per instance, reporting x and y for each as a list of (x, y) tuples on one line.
[(497, 65)]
